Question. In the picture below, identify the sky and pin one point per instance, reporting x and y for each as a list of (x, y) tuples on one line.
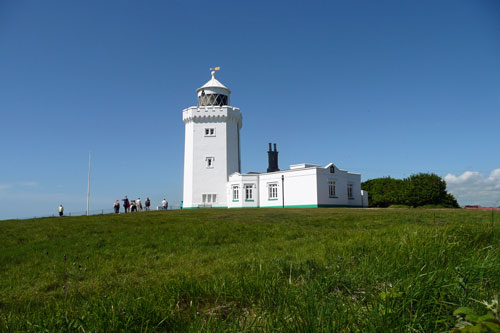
[(381, 88)]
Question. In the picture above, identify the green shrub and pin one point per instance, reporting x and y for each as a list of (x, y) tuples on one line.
[(399, 206), (423, 189)]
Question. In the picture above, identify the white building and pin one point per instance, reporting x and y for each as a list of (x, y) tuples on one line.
[(212, 165)]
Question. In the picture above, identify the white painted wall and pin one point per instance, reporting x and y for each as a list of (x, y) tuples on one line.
[(223, 147), (241, 181), (364, 198), (188, 165), (341, 178), (306, 186), (300, 188)]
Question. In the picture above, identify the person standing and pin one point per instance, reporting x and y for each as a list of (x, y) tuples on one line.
[(126, 204), (164, 204), (116, 207), (182, 203), (147, 203), (139, 204), (61, 210)]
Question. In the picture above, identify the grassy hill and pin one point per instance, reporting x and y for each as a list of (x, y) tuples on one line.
[(256, 269)]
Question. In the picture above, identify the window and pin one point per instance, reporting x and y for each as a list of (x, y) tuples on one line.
[(249, 192), (332, 169), (210, 162), (349, 191), (209, 131), (331, 189), (236, 193), (209, 198), (273, 191)]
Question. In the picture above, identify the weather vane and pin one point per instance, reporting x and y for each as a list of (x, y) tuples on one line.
[(213, 71)]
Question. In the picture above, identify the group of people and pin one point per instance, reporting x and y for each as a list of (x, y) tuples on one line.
[(132, 205)]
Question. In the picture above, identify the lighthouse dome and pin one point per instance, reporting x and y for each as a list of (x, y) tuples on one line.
[(213, 93)]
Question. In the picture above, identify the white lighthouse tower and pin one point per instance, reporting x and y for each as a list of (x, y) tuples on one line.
[(212, 146)]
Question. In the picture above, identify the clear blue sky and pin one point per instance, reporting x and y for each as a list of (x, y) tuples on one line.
[(384, 88)]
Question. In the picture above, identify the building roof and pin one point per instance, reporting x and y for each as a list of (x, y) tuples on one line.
[(213, 83)]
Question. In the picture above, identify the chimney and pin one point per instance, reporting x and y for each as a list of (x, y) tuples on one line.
[(273, 159)]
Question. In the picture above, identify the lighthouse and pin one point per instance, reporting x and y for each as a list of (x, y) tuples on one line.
[(212, 146)]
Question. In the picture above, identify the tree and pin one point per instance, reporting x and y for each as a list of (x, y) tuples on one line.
[(417, 190), (383, 192), (424, 189), (449, 201)]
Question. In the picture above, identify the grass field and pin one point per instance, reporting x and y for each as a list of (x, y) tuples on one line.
[(248, 270)]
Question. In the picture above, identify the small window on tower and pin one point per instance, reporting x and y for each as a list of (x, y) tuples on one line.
[(209, 131), (210, 162)]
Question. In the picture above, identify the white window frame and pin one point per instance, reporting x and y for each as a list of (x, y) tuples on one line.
[(272, 191), (210, 131), (249, 192), (350, 191), (236, 193), (332, 183), (210, 162)]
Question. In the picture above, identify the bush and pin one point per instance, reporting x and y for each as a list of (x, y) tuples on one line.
[(383, 192), (419, 190), (399, 206)]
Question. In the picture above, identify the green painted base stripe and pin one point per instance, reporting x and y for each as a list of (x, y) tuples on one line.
[(287, 206), (291, 206), (338, 206), (249, 207), (204, 207)]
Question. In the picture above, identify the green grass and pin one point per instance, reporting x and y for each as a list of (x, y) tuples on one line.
[(248, 270)]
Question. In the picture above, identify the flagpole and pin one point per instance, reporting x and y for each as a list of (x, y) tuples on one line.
[(88, 186)]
